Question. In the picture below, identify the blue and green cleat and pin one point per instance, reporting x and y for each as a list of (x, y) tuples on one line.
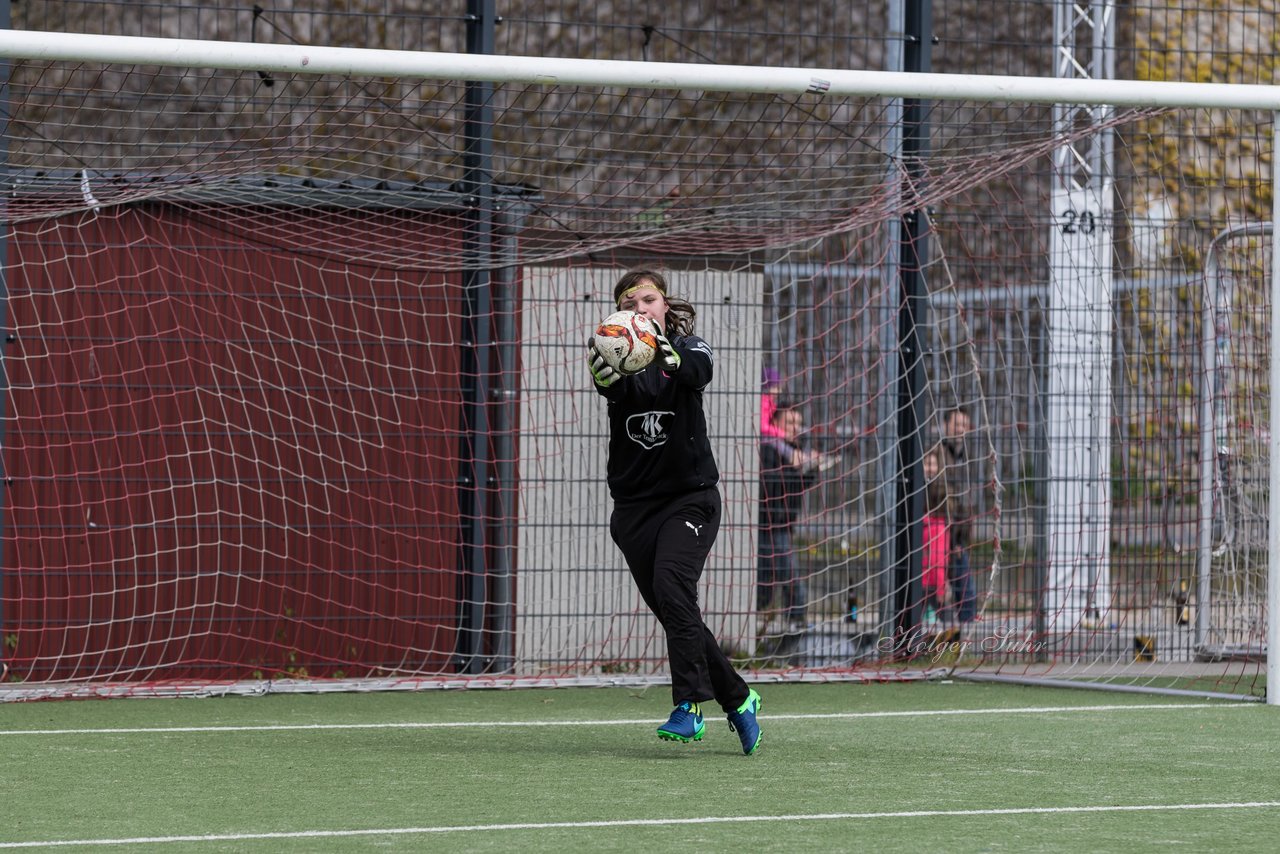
[(685, 724), (743, 722)]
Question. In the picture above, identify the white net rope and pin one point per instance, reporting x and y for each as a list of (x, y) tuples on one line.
[(296, 389)]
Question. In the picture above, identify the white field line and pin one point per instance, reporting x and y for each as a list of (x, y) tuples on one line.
[(642, 822), (921, 713)]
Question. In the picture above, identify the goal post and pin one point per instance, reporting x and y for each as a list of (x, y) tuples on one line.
[(280, 418), (1273, 457), (428, 65)]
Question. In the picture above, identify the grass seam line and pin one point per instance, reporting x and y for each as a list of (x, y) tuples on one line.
[(1027, 710), (641, 822)]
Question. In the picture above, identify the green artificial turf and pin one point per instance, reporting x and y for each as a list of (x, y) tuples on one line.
[(843, 767)]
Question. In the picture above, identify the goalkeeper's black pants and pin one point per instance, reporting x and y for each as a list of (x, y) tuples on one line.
[(666, 544)]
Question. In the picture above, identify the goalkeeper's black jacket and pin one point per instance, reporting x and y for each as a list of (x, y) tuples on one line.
[(658, 443)]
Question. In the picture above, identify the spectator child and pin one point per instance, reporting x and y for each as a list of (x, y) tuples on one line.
[(770, 385), (936, 538), (786, 471)]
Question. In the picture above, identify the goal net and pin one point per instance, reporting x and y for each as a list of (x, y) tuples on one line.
[(295, 393)]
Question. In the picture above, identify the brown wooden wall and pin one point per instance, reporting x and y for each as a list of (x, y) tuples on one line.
[(230, 445)]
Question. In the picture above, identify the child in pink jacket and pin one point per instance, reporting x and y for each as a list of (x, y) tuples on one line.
[(936, 539)]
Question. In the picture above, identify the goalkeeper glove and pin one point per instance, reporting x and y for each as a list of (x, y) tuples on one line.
[(666, 352), (603, 375)]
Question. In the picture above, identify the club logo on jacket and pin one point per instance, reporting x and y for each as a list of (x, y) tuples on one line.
[(649, 429)]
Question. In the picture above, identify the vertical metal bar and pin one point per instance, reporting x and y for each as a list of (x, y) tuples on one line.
[(1040, 479), (886, 438), (477, 337), (503, 510), (913, 230), (508, 217)]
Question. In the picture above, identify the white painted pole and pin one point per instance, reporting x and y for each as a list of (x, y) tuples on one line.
[(296, 59)]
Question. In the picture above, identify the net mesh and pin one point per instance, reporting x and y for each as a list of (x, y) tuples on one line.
[(296, 394)]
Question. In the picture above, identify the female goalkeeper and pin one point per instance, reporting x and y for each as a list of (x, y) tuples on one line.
[(666, 514)]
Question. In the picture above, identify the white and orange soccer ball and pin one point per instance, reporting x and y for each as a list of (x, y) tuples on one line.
[(627, 341)]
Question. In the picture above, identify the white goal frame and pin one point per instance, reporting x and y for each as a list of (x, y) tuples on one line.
[(293, 59)]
